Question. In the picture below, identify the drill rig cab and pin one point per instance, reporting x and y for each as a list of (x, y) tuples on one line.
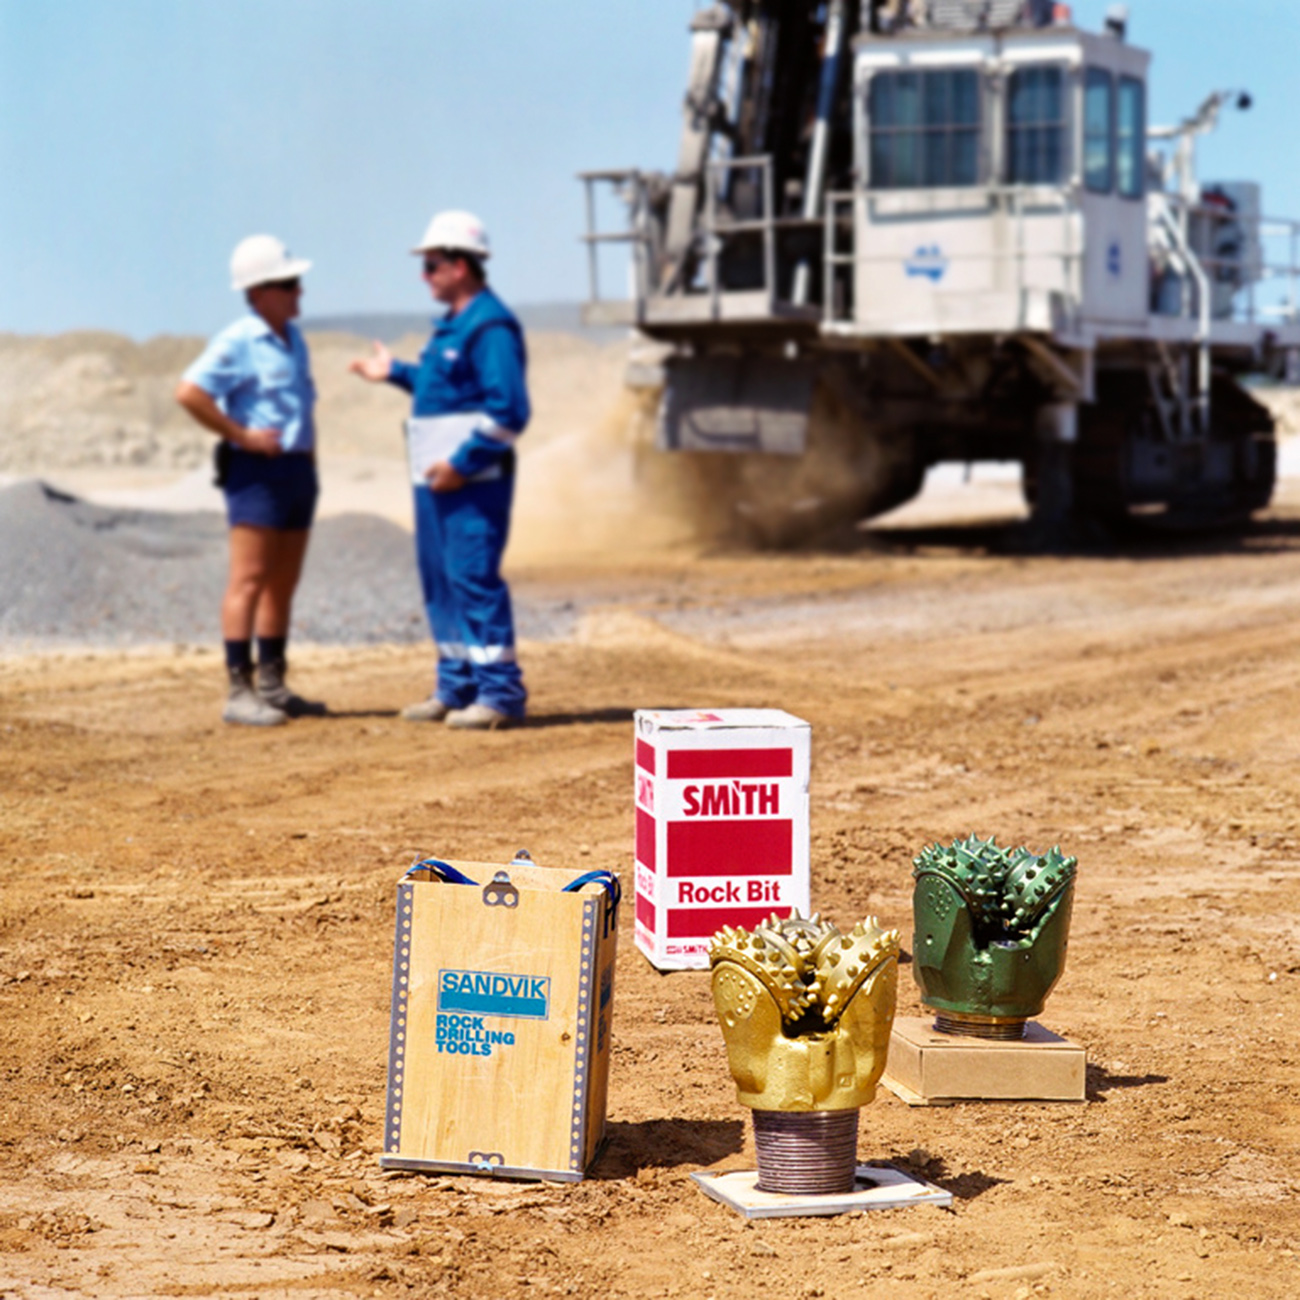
[(908, 231)]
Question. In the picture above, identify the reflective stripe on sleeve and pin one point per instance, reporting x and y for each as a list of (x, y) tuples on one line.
[(498, 434)]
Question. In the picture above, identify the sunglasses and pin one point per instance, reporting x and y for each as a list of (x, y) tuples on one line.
[(433, 264), (285, 286)]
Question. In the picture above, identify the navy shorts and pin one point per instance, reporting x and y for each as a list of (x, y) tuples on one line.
[(271, 491)]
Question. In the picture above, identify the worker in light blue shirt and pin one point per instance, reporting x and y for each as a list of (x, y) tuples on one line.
[(252, 387), (469, 406), (261, 380)]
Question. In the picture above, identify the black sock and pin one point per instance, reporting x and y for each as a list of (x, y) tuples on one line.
[(239, 655), (270, 649)]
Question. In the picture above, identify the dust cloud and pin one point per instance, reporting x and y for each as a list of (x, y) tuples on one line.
[(94, 414)]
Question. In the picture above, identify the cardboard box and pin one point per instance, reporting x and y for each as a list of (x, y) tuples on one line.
[(503, 996), (927, 1068), (721, 826)]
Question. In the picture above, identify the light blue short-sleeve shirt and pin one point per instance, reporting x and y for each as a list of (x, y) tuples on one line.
[(261, 380)]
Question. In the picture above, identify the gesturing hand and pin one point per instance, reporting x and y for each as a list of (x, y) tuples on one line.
[(375, 367)]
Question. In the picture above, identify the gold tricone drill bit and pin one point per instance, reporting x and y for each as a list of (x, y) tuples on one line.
[(806, 1013)]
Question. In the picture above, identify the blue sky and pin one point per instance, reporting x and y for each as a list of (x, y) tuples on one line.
[(141, 139)]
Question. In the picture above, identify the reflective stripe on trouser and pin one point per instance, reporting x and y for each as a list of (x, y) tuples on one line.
[(459, 540)]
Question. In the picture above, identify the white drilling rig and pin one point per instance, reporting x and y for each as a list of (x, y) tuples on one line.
[(909, 231)]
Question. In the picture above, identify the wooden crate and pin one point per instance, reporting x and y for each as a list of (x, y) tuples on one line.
[(503, 991)]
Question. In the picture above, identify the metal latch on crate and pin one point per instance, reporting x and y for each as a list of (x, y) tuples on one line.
[(499, 892)]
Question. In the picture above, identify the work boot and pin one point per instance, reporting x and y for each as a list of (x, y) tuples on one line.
[(272, 688), (430, 710), (479, 717), (245, 707)]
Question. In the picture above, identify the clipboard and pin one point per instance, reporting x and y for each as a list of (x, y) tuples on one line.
[(431, 438)]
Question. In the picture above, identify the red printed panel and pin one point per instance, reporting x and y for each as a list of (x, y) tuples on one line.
[(645, 912), (723, 763), (705, 922), (729, 848), (645, 756), (645, 839)]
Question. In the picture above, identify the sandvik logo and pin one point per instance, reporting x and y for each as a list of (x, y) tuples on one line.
[(929, 262), (486, 993)]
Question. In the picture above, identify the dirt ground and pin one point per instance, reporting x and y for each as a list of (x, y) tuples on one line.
[(196, 934)]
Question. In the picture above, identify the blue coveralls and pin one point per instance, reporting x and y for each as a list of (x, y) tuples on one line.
[(473, 364)]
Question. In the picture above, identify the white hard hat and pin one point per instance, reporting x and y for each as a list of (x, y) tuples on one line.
[(263, 259), (459, 231)]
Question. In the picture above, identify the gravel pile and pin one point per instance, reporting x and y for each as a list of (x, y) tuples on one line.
[(72, 573)]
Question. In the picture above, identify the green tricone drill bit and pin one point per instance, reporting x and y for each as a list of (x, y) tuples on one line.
[(991, 930)]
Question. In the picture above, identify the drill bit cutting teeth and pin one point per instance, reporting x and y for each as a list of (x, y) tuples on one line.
[(776, 954), (1006, 890), (806, 1010), (991, 930), (850, 961), (1032, 884), (807, 966)]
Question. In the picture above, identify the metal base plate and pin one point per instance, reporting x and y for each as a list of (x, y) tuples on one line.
[(879, 1187)]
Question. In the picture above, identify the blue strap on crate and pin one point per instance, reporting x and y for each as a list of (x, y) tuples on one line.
[(443, 870), (613, 894), (607, 879)]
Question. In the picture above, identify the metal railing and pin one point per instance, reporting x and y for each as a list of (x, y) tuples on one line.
[(630, 185), (1202, 236), (1279, 230), (833, 259), (1210, 282), (1161, 216), (1021, 204), (715, 227), (714, 230)]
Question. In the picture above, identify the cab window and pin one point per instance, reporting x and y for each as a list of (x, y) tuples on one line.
[(1131, 138), (925, 129), (1099, 131), (1036, 151)]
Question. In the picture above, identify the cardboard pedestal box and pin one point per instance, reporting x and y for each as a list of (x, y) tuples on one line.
[(927, 1068), (721, 826), (503, 994)]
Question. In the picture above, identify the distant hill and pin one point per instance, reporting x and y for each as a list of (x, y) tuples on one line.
[(549, 317)]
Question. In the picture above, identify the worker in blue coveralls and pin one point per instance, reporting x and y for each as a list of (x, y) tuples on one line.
[(470, 404), (253, 388)]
